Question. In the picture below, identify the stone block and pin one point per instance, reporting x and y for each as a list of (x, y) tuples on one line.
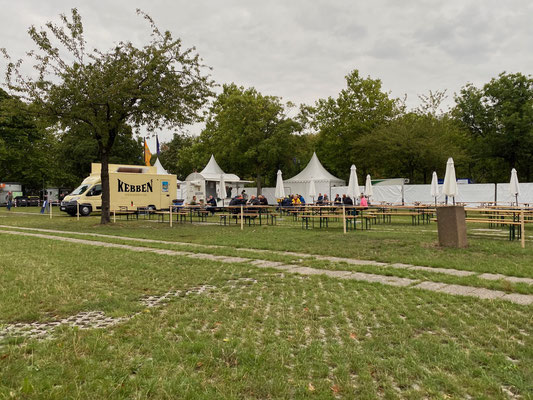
[(452, 226)]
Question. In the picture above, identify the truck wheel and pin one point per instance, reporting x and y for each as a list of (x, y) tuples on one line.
[(85, 210)]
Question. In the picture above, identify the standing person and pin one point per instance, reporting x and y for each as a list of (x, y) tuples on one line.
[(9, 200)]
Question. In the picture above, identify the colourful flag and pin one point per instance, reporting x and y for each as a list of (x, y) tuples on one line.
[(157, 143), (147, 154)]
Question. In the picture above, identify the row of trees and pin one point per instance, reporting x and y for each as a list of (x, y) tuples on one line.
[(86, 106), (488, 132)]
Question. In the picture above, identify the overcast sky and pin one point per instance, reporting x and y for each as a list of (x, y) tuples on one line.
[(301, 50)]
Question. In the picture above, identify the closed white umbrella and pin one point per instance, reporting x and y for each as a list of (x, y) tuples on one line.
[(434, 187), (450, 181), (514, 186), (280, 190), (221, 190), (312, 189), (353, 184), (368, 187)]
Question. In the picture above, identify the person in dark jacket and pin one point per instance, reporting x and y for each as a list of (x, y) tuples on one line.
[(211, 205), (346, 200), (263, 200), (337, 199)]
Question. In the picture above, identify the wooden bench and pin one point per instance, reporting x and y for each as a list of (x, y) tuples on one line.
[(514, 233), (512, 225), (226, 218), (126, 212), (324, 219), (416, 217)]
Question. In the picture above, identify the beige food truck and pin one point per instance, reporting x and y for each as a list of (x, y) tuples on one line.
[(131, 187)]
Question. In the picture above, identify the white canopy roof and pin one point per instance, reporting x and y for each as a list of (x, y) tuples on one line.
[(160, 169), (315, 171), (212, 172)]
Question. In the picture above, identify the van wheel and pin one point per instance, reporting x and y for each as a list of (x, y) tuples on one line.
[(85, 210)]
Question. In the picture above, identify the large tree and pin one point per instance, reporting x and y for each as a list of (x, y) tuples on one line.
[(158, 84), (499, 117), (77, 149), (250, 134), (358, 110), (27, 150)]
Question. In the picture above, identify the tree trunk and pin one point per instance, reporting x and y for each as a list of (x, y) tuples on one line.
[(104, 176), (259, 188)]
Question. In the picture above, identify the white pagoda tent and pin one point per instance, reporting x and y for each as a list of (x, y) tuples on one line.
[(160, 169), (314, 171), (204, 183)]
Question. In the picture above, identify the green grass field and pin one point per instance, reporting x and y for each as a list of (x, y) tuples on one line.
[(258, 333)]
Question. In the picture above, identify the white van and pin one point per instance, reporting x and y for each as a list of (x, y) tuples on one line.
[(131, 187)]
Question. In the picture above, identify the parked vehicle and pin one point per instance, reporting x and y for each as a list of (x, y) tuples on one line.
[(21, 201), (131, 187), (27, 201)]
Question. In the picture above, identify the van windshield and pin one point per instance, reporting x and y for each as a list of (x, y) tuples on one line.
[(80, 190)]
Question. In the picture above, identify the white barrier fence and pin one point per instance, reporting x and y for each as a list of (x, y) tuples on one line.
[(474, 194)]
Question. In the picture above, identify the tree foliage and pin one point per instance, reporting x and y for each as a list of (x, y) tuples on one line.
[(499, 117), (250, 134), (157, 85), (340, 122), (27, 150)]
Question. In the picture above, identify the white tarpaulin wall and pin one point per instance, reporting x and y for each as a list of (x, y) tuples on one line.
[(472, 193), (525, 196)]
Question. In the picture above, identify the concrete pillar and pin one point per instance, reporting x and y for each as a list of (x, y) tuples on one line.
[(452, 226)]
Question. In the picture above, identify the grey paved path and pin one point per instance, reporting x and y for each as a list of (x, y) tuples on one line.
[(445, 271), (359, 276)]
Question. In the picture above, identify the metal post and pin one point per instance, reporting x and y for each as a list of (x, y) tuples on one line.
[(114, 216), (170, 214), (242, 217), (78, 211), (50, 205)]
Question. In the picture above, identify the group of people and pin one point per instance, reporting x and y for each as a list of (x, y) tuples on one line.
[(292, 200), (323, 199), (211, 203), (252, 200)]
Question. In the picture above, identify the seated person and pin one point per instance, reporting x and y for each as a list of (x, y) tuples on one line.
[(286, 202), (347, 200), (254, 201), (236, 201), (337, 199), (302, 200), (193, 202), (320, 199), (364, 202), (211, 204), (296, 200), (212, 201), (263, 200), (326, 199)]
